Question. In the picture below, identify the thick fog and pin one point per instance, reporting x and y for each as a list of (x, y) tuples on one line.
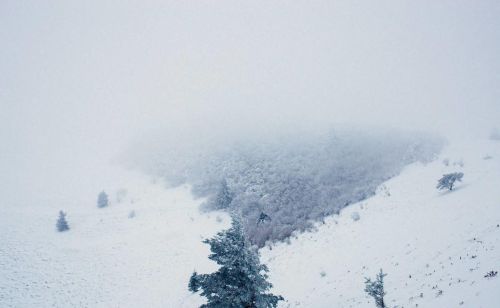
[(80, 81)]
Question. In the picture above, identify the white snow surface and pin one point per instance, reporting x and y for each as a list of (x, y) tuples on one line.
[(107, 259), (427, 242)]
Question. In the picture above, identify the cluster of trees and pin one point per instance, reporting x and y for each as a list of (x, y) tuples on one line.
[(295, 180)]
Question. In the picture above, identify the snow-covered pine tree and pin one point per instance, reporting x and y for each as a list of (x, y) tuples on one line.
[(263, 218), (448, 180), (376, 289), (102, 199), (193, 285), (224, 197), (62, 224), (241, 279), (131, 214)]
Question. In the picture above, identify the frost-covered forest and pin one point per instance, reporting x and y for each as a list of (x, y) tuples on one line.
[(263, 154), (294, 180)]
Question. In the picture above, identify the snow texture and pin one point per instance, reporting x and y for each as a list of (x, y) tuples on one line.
[(107, 259), (439, 249)]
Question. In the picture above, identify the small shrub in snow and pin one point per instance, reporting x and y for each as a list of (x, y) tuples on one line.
[(241, 281), (355, 216), (376, 289), (491, 274), (448, 180), (383, 191), (62, 224), (322, 273), (102, 199)]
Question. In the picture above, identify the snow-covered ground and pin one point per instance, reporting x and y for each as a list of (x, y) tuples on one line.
[(435, 246), (427, 242), (107, 259)]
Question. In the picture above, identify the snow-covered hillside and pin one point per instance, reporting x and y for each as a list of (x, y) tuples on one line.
[(429, 243), (107, 259), (435, 246)]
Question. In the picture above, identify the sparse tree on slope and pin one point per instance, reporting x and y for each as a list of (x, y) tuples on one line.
[(376, 289), (241, 279), (62, 224), (448, 180), (102, 199)]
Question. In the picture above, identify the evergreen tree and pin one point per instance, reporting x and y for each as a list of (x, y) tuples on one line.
[(102, 199), (263, 217), (448, 180), (241, 279), (131, 214), (194, 285), (224, 197), (62, 224), (376, 289)]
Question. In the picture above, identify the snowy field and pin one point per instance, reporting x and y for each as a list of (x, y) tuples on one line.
[(321, 124), (107, 259), (435, 246)]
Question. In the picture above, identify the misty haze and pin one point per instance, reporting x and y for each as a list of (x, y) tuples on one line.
[(249, 154)]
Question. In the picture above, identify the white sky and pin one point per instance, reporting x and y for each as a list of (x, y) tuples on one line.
[(78, 79)]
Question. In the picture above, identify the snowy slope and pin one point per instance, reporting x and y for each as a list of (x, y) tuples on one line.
[(107, 259), (427, 241)]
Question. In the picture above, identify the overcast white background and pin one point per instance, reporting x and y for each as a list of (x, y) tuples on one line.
[(78, 80)]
